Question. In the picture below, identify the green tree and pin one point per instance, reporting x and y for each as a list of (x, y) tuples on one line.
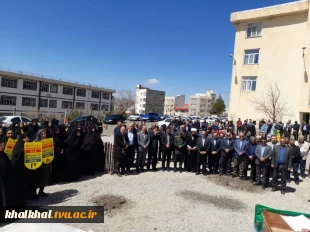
[(219, 106), (74, 114)]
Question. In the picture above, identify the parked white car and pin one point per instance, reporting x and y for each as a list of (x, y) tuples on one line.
[(135, 117), (7, 121), (208, 119), (167, 121)]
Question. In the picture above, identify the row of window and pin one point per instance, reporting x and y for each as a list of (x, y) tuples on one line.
[(53, 88), (253, 30), (49, 103)]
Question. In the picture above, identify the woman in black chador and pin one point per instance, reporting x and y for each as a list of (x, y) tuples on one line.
[(73, 154)]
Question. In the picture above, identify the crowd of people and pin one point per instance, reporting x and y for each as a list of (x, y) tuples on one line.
[(270, 150), (78, 150)]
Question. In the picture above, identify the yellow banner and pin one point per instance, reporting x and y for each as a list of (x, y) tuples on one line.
[(33, 155), (9, 147), (47, 150)]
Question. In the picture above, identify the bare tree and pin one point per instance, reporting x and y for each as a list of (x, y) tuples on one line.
[(124, 99), (271, 103)]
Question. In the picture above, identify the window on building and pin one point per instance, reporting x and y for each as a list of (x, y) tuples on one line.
[(8, 100), (251, 56), (144, 99), (95, 94), (254, 30), (67, 91), (144, 93), (193, 105), (105, 107), (143, 105), (105, 96), (81, 92), (45, 87), (80, 105), (9, 82), (53, 103), (66, 105), (27, 101), (43, 102), (249, 83), (30, 85), (94, 107), (54, 88)]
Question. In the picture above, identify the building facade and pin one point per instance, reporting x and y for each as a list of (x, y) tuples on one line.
[(34, 96), (182, 110), (149, 100), (272, 47), (201, 104), (171, 102)]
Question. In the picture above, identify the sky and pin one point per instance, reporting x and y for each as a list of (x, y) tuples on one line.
[(178, 46)]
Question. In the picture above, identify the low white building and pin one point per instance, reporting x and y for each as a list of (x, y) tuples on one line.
[(149, 100), (39, 97), (201, 104), (171, 102)]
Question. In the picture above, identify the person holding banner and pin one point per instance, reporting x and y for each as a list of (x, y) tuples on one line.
[(9, 134), (19, 168), (7, 198), (43, 171)]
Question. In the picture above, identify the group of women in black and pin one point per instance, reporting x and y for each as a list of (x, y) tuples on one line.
[(78, 150)]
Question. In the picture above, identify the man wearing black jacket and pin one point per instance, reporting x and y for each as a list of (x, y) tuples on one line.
[(153, 148), (196, 125), (305, 130), (296, 157), (203, 146), (121, 146), (132, 146), (214, 154), (167, 144), (227, 151), (296, 128)]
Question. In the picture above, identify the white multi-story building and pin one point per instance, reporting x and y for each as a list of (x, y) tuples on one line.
[(201, 104), (149, 100), (171, 102), (26, 94)]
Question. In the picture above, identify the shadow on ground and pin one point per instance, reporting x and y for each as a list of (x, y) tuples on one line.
[(234, 183), (54, 198), (112, 203), (218, 201)]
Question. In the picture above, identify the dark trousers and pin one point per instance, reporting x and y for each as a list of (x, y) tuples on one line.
[(261, 172), (295, 136), (141, 157), (239, 130), (225, 164), (130, 157), (178, 158), (246, 164), (269, 173), (276, 172), (213, 163), (191, 161), (202, 160), (186, 161), (303, 167), (238, 166), (166, 156), (160, 154), (151, 159), (305, 134), (295, 169), (120, 163)]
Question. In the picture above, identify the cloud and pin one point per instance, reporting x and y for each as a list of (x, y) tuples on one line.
[(152, 81), (170, 87)]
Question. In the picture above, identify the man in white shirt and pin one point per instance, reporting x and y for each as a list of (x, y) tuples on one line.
[(304, 150)]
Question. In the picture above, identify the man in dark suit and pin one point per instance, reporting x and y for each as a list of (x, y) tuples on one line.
[(287, 130), (153, 148), (227, 150), (196, 125), (263, 154), (117, 129), (191, 142), (121, 145), (132, 146), (162, 132), (249, 159), (203, 146), (180, 150), (143, 142), (167, 141), (214, 154), (296, 128), (281, 162), (305, 130), (188, 127), (240, 146)]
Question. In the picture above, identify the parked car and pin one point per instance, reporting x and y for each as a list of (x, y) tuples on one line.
[(114, 118), (135, 117), (163, 117), (83, 120), (150, 117), (167, 121), (6, 121)]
